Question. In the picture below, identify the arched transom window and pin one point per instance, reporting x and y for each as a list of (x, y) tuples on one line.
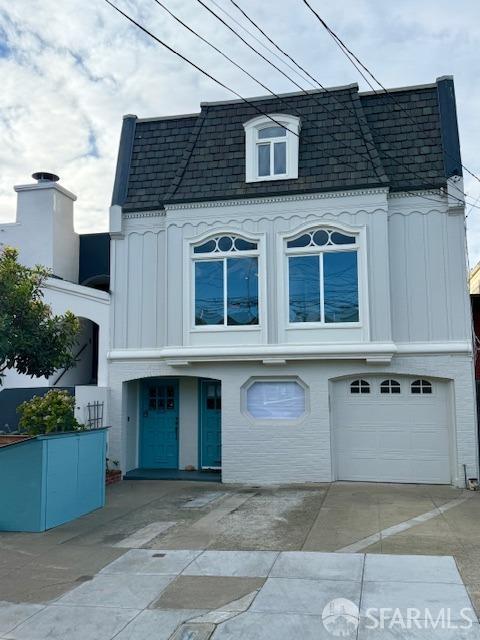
[(323, 277), (226, 281)]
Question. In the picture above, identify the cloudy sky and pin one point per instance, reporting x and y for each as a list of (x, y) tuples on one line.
[(69, 70)]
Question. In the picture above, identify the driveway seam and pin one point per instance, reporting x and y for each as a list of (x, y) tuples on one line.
[(361, 594), (316, 519), (406, 525)]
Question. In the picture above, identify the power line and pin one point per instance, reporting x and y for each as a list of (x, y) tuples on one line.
[(252, 77), (340, 43), (207, 42), (329, 91), (262, 44), (246, 101), (205, 73), (203, 39)]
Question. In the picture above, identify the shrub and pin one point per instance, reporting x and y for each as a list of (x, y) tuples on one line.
[(53, 412)]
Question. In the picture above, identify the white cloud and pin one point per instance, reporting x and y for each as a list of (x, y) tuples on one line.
[(73, 69)]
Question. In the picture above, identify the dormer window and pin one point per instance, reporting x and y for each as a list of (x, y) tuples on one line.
[(272, 151), (271, 144)]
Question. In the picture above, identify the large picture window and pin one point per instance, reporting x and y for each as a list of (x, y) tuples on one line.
[(226, 282), (323, 277)]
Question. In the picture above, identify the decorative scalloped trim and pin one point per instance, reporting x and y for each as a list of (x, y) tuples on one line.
[(310, 219), (413, 194), (144, 214), (272, 199)]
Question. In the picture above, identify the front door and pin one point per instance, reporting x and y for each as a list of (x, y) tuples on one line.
[(210, 424), (159, 425)]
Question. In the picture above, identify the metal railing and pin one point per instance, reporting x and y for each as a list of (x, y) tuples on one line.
[(94, 415)]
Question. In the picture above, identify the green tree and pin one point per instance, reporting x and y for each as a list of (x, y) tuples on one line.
[(32, 340)]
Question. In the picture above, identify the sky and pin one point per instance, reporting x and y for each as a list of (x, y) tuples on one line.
[(70, 70)]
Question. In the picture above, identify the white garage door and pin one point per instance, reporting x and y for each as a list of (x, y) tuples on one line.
[(391, 429)]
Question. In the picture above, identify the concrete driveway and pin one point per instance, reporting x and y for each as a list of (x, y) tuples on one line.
[(138, 568)]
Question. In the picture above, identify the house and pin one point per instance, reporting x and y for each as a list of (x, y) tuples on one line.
[(43, 233), (289, 298)]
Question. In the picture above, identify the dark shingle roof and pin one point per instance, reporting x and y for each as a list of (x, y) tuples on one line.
[(157, 153), (347, 141), (408, 137)]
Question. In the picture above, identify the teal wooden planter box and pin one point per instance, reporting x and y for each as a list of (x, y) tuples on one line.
[(48, 480)]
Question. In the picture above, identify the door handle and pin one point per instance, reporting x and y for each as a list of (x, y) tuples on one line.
[(176, 428)]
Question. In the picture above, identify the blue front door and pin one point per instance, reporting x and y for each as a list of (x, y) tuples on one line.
[(159, 425), (210, 424)]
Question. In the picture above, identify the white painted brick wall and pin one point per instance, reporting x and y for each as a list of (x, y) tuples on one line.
[(264, 454)]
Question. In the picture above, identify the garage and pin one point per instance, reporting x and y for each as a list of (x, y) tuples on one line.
[(391, 429)]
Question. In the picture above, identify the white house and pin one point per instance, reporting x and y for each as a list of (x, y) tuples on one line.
[(43, 233), (289, 290)]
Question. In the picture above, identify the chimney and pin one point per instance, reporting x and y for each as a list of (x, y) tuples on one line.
[(45, 233)]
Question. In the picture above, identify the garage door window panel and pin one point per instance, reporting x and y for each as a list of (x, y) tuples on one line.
[(360, 387), (420, 387), (390, 387)]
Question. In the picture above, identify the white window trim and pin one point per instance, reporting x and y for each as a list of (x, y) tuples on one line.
[(292, 124), (275, 422), (189, 288), (283, 281)]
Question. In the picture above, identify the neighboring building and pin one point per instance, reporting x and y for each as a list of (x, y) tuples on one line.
[(474, 279), (43, 233), (289, 298)]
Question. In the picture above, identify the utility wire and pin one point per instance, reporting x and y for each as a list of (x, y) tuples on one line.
[(351, 55), (208, 75), (367, 142), (318, 83), (212, 46), (299, 113), (262, 44), (205, 73)]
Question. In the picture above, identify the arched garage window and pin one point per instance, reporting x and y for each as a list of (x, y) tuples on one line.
[(323, 277), (390, 386), (226, 281), (360, 386), (421, 386)]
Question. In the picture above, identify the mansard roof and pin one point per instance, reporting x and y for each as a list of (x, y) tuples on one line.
[(404, 140)]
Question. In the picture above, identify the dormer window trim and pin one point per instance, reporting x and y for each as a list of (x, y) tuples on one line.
[(264, 150)]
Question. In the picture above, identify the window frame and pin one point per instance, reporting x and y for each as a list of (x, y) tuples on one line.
[(387, 385), (424, 384), (363, 388), (252, 141), (358, 247), (189, 303), (276, 422)]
